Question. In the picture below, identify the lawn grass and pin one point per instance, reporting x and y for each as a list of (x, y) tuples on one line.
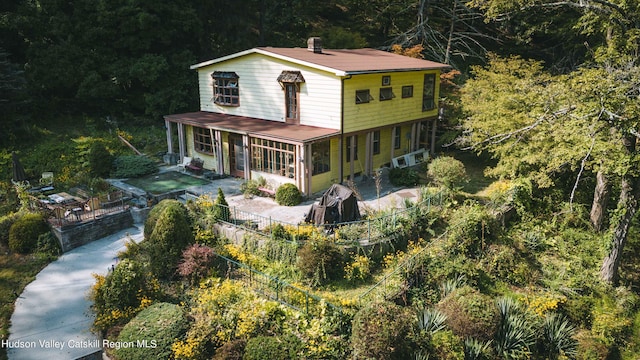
[(475, 166), (165, 182), (16, 272)]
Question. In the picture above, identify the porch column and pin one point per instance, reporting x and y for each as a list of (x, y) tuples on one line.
[(181, 145), (368, 158), (352, 155), (393, 144), (412, 142), (167, 125), (433, 137), (426, 133), (219, 157), (247, 159), (340, 159)]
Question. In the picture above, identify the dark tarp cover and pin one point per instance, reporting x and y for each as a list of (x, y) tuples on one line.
[(338, 204)]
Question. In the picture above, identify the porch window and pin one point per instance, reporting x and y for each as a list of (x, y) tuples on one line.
[(376, 142), (355, 149), (321, 159), (429, 92), (202, 140), (397, 138), (225, 88), (273, 157)]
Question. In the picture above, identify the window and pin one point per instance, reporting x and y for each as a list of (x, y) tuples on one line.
[(376, 142), (291, 102), (363, 96), (225, 88), (320, 155), (202, 140), (273, 157), (386, 94), (429, 92), (386, 80), (407, 91), (355, 149), (397, 138)]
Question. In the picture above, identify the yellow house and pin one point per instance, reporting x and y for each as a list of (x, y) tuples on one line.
[(308, 116)]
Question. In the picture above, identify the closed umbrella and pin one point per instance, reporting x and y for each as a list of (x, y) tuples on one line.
[(18, 170)]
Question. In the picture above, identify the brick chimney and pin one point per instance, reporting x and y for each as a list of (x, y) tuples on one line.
[(315, 44)]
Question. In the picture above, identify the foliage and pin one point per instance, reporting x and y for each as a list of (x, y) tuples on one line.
[(404, 177), (431, 321), (272, 347), (152, 332), (154, 214), (382, 330), (358, 270), (24, 232), (469, 313), (515, 335), (131, 166), (448, 172), (100, 160), (320, 261), (447, 346), (5, 225), (196, 262), (476, 350), (121, 294), (252, 187), (171, 234), (231, 350), (288, 195), (558, 338), (221, 210), (472, 228), (48, 246)]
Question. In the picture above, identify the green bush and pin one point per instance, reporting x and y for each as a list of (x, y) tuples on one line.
[(470, 313), (472, 228), (5, 225), (404, 177), (152, 332), (382, 331), (273, 347), (100, 160), (320, 261), (221, 210), (154, 214), (131, 166), (171, 234), (448, 172), (252, 187), (121, 288), (24, 233), (447, 346), (288, 195)]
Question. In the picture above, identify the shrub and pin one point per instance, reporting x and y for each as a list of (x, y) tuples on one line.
[(448, 172), (221, 210), (24, 233), (251, 188), (558, 338), (171, 234), (131, 166), (471, 228), (232, 350), (359, 269), (196, 262), (273, 347), (100, 160), (515, 334), (469, 313), (288, 195), (382, 331), (5, 225), (48, 245), (447, 346), (154, 214), (320, 261), (152, 332), (404, 177)]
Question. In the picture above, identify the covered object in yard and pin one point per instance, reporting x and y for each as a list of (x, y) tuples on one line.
[(338, 204)]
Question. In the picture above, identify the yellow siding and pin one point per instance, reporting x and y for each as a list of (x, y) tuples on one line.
[(378, 113), (323, 181)]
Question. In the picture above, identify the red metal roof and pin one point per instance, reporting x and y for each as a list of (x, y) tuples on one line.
[(357, 60), (253, 126)]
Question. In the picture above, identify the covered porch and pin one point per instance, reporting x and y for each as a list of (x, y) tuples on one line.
[(246, 147)]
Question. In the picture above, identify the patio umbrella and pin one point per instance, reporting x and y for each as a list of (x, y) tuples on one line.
[(18, 170)]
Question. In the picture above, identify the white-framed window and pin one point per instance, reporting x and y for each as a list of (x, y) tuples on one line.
[(225, 88)]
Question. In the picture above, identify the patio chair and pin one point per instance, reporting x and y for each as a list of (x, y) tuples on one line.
[(185, 162), (47, 178)]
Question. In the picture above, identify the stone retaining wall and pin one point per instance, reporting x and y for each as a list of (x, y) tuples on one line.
[(73, 236)]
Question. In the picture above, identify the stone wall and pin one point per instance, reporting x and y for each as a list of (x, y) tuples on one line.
[(72, 236)]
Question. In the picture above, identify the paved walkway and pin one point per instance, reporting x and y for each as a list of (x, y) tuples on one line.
[(52, 318)]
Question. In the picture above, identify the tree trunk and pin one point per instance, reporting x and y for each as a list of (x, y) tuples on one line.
[(600, 201), (627, 205)]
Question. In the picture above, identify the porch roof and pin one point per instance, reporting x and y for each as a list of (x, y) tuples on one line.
[(253, 126)]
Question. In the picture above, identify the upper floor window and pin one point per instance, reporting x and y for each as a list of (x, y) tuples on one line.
[(386, 94), (290, 82), (225, 88), (363, 96), (202, 140), (429, 92), (407, 91)]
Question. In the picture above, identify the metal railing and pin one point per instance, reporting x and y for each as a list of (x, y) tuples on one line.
[(364, 232), (276, 289)]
